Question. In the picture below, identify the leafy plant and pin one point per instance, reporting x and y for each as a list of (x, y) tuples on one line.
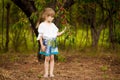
[(61, 58), (104, 68), (39, 76), (18, 32)]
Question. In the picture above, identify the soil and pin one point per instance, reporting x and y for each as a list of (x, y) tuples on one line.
[(74, 67)]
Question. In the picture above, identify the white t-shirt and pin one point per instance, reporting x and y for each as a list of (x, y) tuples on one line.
[(47, 30)]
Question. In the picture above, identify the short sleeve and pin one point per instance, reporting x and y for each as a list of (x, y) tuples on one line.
[(56, 28), (40, 31)]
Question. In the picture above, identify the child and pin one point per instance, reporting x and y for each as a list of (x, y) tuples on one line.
[(47, 36)]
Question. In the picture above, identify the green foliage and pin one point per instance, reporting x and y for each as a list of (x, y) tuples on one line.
[(47, 1), (15, 14), (14, 58), (39, 76), (34, 17), (117, 34), (40, 4), (104, 68), (104, 38), (17, 35), (61, 58), (70, 34), (77, 19), (89, 1)]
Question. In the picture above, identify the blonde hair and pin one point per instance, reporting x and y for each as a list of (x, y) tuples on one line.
[(47, 12)]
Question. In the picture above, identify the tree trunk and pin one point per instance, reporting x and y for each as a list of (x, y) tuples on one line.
[(111, 32), (7, 26), (94, 33), (2, 22), (95, 36), (28, 8)]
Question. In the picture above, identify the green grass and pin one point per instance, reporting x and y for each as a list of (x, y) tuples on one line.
[(84, 39), (81, 41), (61, 58)]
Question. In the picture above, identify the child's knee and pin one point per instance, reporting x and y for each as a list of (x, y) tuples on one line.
[(47, 59), (52, 58)]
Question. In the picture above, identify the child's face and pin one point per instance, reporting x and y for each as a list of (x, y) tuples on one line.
[(49, 18)]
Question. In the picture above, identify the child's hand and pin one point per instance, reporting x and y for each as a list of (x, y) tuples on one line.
[(43, 48), (65, 29)]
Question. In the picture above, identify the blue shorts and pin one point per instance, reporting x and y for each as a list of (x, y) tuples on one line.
[(51, 47)]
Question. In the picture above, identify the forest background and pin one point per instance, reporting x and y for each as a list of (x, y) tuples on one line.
[(90, 23), (93, 29)]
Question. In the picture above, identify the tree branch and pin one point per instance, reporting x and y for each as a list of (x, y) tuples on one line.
[(26, 5), (68, 3)]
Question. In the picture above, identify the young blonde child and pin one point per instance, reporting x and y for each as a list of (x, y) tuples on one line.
[(48, 33)]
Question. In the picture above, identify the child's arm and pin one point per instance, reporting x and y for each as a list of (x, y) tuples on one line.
[(42, 46), (60, 33)]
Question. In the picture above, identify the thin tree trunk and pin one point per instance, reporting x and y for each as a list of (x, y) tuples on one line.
[(7, 26), (94, 32), (82, 33), (95, 35), (111, 32), (2, 22), (87, 36), (102, 44)]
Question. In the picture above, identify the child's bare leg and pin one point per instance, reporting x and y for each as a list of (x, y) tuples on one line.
[(46, 65), (51, 65)]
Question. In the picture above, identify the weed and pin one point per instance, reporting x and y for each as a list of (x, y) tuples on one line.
[(104, 68), (39, 76), (61, 58)]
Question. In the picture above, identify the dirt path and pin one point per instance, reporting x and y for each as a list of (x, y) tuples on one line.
[(74, 68)]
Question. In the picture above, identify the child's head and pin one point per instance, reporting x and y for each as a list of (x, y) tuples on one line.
[(48, 12)]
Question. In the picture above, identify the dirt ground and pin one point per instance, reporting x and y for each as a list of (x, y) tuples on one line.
[(75, 67)]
